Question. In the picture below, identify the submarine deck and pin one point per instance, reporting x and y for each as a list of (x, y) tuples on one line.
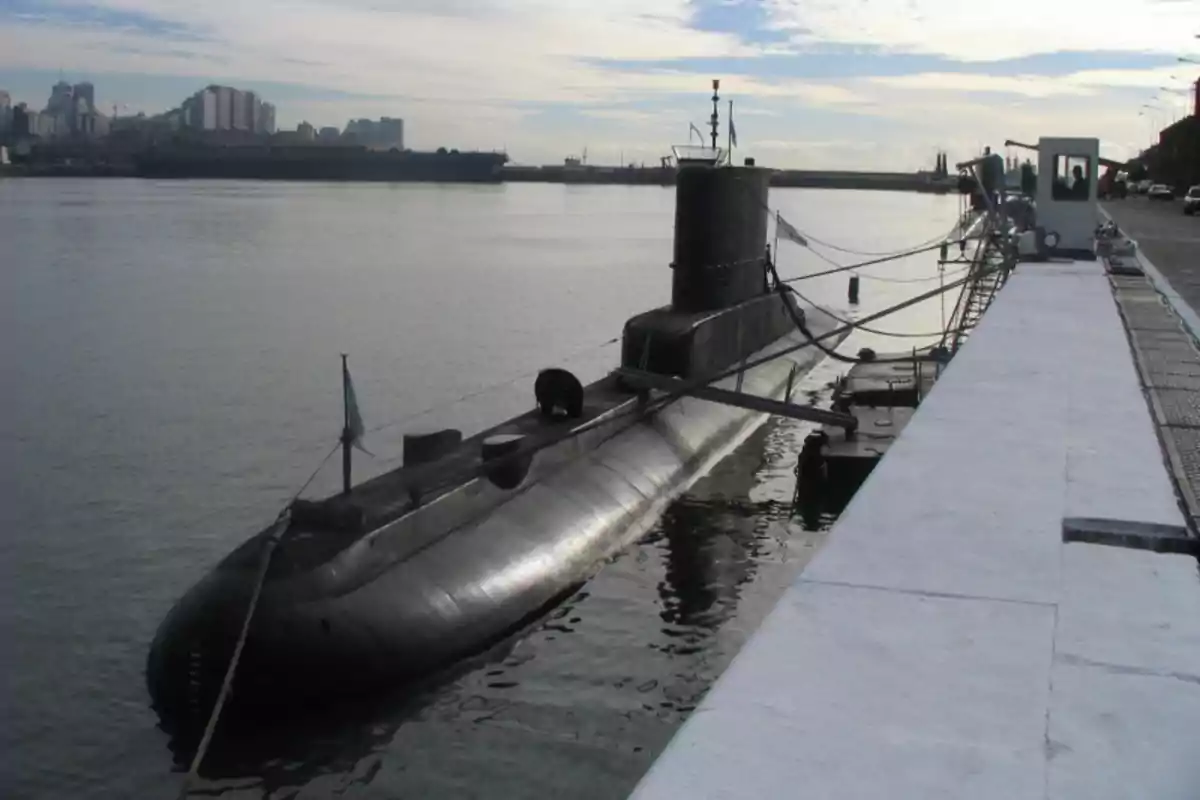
[(955, 638), (320, 529), (315, 534)]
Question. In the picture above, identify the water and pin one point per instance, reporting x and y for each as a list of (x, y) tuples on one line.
[(172, 376)]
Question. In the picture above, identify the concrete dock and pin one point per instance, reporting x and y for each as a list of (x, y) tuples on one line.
[(954, 639)]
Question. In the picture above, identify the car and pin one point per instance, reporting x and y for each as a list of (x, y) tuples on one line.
[(1143, 186), (1160, 191), (1191, 200)]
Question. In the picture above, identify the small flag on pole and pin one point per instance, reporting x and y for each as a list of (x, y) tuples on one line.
[(787, 231), (693, 129), (732, 133), (354, 423)]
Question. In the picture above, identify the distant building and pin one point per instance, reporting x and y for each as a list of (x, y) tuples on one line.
[(224, 108), (253, 112), (199, 112), (86, 93), (329, 135), (208, 110), (224, 117), (266, 119), (46, 126), (305, 132), (239, 111), (61, 99), (385, 134), (21, 123), (391, 132), (6, 113)]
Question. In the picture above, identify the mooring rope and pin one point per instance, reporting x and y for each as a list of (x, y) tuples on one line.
[(277, 532)]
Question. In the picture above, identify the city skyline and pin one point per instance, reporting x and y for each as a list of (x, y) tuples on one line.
[(71, 110), (866, 85)]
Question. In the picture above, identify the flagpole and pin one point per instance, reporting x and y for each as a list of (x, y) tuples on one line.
[(346, 435)]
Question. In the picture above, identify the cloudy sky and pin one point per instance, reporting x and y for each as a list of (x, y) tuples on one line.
[(816, 83)]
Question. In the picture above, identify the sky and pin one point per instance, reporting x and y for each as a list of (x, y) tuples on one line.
[(817, 84)]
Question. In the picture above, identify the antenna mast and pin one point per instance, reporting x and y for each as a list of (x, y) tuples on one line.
[(713, 121)]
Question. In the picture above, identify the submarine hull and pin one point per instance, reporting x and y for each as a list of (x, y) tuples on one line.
[(454, 575)]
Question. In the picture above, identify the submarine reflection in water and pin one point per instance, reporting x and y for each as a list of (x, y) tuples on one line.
[(420, 567)]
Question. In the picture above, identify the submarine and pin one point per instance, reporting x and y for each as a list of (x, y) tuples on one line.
[(470, 539)]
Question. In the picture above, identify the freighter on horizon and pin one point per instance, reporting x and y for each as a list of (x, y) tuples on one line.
[(319, 163)]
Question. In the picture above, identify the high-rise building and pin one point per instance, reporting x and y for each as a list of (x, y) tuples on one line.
[(224, 108), (6, 112), (253, 111), (391, 133), (21, 122), (224, 119), (200, 110), (208, 110), (61, 95), (239, 120), (385, 134), (267, 119), (305, 132), (87, 92)]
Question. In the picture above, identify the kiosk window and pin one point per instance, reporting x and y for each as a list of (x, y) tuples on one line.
[(1072, 178)]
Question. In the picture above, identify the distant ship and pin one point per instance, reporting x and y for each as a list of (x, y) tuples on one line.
[(319, 163)]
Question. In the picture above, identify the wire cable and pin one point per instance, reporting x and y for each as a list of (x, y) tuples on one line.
[(478, 392), (860, 265), (853, 252), (278, 531), (926, 279), (783, 289)]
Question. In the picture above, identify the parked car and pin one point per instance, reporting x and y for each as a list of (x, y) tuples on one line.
[(1191, 200), (1143, 186), (1160, 191)]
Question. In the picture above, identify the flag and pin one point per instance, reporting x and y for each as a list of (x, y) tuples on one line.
[(787, 231), (693, 129), (732, 133), (354, 423)]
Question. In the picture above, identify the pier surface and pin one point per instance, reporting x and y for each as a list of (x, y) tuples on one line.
[(1161, 314), (949, 641)]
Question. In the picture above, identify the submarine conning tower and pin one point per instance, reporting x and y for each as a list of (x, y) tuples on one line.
[(722, 308)]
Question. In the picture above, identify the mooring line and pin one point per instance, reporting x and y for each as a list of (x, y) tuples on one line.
[(279, 529)]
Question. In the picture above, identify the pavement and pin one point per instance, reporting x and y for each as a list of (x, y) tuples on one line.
[(1168, 238), (958, 637), (1160, 313)]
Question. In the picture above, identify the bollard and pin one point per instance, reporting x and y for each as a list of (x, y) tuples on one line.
[(853, 290)]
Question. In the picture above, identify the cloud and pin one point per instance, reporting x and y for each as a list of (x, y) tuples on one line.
[(875, 84), (991, 31), (1025, 85)]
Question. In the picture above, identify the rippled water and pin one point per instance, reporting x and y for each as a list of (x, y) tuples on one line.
[(171, 354)]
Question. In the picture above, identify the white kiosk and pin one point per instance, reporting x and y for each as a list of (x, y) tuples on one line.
[(1068, 174)]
